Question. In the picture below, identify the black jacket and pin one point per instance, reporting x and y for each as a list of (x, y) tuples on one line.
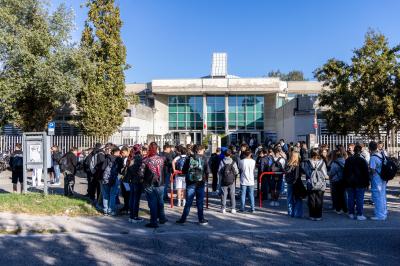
[(355, 172), (71, 161)]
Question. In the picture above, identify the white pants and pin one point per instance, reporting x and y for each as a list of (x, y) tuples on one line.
[(37, 177)]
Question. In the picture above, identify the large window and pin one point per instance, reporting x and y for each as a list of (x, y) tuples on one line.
[(185, 112), (216, 114), (246, 112)]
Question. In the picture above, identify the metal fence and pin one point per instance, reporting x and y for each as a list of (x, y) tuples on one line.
[(391, 144), (7, 142)]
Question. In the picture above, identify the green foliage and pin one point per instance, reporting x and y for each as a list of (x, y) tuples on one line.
[(39, 67), (133, 99), (102, 100), (363, 96), (294, 75)]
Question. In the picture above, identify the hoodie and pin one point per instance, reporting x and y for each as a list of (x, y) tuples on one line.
[(225, 161)]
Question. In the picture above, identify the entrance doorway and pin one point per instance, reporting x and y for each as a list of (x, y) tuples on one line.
[(239, 138), (188, 137)]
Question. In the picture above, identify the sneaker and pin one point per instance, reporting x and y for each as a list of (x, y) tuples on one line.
[(253, 211), (351, 216), (179, 203), (150, 225), (377, 218), (312, 218), (338, 212), (183, 203), (233, 211), (272, 203), (276, 204), (223, 211), (180, 221), (318, 219), (135, 220), (361, 218), (203, 222)]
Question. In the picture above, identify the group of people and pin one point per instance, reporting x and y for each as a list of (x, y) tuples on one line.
[(129, 172)]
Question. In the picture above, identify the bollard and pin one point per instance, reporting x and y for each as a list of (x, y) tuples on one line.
[(260, 183), (172, 186)]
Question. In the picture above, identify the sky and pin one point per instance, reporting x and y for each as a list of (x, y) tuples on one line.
[(168, 39)]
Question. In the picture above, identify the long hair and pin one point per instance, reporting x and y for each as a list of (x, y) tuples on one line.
[(294, 159)]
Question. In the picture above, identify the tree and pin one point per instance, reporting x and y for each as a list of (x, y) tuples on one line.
[(102, 100), (363, 96), (39, 66), (294, 75)]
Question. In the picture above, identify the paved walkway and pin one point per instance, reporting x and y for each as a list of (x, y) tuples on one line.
[(264, 238)]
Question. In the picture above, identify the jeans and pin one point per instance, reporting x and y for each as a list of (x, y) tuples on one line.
[(109, 194), (231, 190), (378, 190), (167, 185), (339, 197), (244, 190), (276, 186), (295, 205), (155, 199), (355, 196), (191, 191), (57, 173), (134, 200)]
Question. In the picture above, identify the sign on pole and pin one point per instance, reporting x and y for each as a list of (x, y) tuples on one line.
[(51, 128)]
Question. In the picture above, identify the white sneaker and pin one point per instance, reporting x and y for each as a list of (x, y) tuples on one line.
[(233, 211), (276, 204), (338, 212), (351, 216), (179, 203), (361, 218), (223, 211), (183, 203), (272, 203)]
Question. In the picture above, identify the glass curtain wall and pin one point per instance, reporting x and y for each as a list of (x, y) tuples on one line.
[(216, 114), (185, 112), (246, 112)]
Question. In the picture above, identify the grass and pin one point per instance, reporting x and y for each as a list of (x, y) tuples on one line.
[(38, 204)]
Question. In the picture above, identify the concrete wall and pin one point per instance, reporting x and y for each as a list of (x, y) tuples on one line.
[(161, 115)]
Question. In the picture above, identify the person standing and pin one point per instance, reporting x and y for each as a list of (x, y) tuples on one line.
[(338, 190), (180, 180), (124, 184), (16, 165), (69, 163), (378, 186), (276, 185), (293, 175), (110, 182), (227, 174), (55, 158), (214, 166), (151, 172), (167, 155), (316, 173), (247, 166), (356, 180), (93, 167), (196, 172)]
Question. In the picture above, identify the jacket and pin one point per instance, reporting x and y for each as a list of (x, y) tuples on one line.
[(336, 170), (132, 174), (71, 162), (225, 161), (16, 161), (355, 172)]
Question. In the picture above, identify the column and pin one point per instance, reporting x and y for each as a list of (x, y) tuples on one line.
[(226, 114), (205, 115)]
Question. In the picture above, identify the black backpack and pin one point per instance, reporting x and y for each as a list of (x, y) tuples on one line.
[(389, 168), (228, 174)]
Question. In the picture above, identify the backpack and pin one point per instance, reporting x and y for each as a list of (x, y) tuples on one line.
[(228, 174), (110, 174), (317, 179), (389, 168), (64, 163), (180, 163), (277, 165), (17, 161), (93, 163), (268, 166), (195, 171)]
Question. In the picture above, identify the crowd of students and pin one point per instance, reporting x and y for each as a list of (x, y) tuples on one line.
[(145, 169)]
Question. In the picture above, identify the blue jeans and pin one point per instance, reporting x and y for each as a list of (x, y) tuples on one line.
[(191, 191), (167, 180), (355, 196), (109, 194), (244, 190), (134, 200), (378, 190), (57, 173), (155, 199), (295, 205)]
